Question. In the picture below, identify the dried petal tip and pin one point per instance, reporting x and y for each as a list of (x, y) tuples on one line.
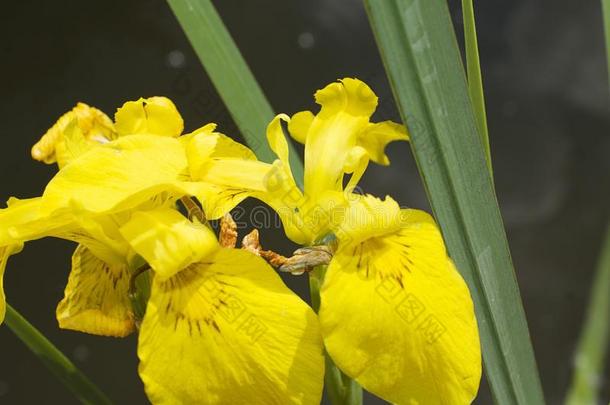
[(305, 259), (74, 133), (251, 242), (228, 232)]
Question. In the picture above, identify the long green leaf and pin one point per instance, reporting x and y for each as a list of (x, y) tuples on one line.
[(231, 76), (475, 81), (420, 52), (593, 343), (54, 360)]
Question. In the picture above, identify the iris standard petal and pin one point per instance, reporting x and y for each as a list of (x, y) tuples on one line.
[(299, 124), (229, 331), (150, 116), (349, 95), (346, 108)]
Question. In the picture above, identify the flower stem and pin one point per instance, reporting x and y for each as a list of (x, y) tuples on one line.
[(54, 360), (341, 389)]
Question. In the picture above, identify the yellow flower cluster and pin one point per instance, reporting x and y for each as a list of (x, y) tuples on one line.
[(220, 326)]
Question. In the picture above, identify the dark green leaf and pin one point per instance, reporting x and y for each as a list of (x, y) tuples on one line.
[(420, 52)]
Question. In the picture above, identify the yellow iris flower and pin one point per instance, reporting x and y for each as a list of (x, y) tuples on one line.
[(220, 326), (395, 314)]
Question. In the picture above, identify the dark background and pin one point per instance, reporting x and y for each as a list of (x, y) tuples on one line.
[(547, 99)]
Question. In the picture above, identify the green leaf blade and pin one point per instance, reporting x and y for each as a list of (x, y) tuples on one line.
[(54, 360), (475, 79), (421, 55)]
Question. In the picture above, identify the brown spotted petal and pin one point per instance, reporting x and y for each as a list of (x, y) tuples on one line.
[(227, 330), (96, 298), (397, 316)]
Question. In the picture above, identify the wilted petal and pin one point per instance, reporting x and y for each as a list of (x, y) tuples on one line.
[(75, 132)]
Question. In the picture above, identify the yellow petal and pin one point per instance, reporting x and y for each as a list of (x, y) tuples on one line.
[(320, 215), (96, 298), (73, 145), (277, 139), (23, 220), (100, 234), (230, 180), (232, 173), (119, 175), (150, 116), (376, 137), (218, 200), (228, 331), (75, 132), (167, 240), (351, 96), (335, 137), (299, 125), (397, 317), (18, 212), (204, 144), (286, 199), (367, 217), (5, 253), (235, 173), (356, 163), (225, 182), (346, 108)]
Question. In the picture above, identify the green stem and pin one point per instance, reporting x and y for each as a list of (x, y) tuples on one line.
[(593, 343), (54, 360), (341, 389)]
